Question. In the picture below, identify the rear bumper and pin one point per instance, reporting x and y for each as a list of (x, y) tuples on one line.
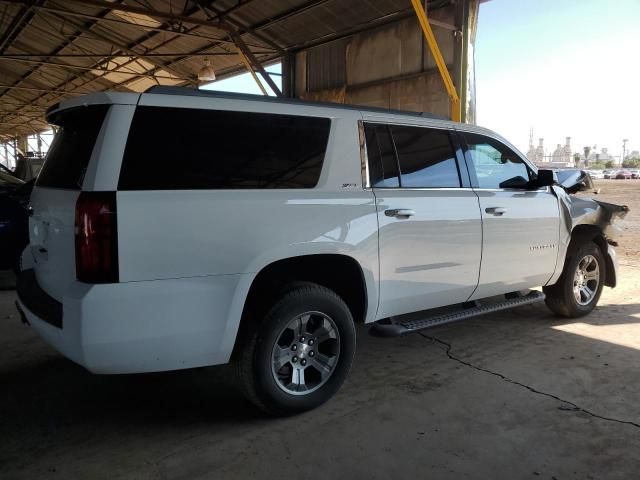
[(36, 300), (137, 327)]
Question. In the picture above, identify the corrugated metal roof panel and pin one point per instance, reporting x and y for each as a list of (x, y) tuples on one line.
[(73, 30)]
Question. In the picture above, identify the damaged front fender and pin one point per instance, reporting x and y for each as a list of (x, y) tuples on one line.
[(592, 219), (586, 211)]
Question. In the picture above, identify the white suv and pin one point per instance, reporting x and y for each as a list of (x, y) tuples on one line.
[(178, 228)]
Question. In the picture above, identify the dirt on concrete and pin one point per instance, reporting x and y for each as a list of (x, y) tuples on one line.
[(516, 395)]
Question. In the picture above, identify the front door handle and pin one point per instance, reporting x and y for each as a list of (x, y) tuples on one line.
[(400, 212), (497, 211)]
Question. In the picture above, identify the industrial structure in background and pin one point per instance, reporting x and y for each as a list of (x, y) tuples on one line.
[(564, 157), (397, 54)]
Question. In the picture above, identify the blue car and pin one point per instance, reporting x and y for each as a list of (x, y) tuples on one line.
[(14, 218)]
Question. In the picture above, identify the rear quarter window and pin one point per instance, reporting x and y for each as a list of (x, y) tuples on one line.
[(66, 163), (183, 149)]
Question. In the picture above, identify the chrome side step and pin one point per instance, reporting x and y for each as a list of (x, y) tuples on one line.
[(390, 328)]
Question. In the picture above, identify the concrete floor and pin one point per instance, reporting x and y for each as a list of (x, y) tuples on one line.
[(522, 395)]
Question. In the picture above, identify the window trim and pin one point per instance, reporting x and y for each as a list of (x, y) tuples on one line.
[(395, 154), (458, 145), (364, 156), (368, 185)]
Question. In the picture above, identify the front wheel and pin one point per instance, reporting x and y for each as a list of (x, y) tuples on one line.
[(577, 291), (300, 354)]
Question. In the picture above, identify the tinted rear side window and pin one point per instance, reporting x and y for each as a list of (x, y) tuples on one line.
[(68, 158), (426, 157), (182, 149)]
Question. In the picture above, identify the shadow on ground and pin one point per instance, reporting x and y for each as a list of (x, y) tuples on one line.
[(407, 409)]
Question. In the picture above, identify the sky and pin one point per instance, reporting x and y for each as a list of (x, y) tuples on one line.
[(245, 83), (563, 68)]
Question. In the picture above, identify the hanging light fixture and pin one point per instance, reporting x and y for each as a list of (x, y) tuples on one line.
[(206, 73)]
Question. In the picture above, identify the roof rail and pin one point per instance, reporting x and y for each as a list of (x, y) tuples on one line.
[(192, 92)]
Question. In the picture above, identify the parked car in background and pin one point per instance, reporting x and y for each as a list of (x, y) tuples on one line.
[(574, 180), (623, 175), (635, 173), (267, 252), (596, 174), (14, 225), (608, 173)]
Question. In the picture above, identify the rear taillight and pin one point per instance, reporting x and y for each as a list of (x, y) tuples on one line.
[(96, 237)]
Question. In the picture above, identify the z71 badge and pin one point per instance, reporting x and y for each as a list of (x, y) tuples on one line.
[(534, 248)]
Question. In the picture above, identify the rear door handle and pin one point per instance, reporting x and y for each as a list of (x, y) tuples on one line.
[(497, 211), (400, 212)]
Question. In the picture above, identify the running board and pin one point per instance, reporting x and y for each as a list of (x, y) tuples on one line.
[(395, 329)]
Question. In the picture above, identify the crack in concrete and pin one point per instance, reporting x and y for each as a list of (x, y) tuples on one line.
[(571, 406)]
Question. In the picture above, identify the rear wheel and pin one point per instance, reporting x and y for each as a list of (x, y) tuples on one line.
[(577, 291), (300, 354)]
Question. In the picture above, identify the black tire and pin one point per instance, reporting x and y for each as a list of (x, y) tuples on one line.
[(254, 365), (560, 297)]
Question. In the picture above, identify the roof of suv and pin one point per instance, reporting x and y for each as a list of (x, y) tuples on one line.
[(191, 92), (134, 98)]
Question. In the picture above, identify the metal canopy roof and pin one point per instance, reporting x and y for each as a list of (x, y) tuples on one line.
[(52, 49)]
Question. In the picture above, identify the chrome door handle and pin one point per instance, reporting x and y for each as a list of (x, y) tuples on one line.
[(497, 211), (400, 212)]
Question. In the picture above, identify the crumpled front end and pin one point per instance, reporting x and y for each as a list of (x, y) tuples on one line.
[(583, 217), (586, 211)]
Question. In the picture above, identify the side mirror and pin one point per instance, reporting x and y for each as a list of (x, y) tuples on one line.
[(515, 182), (545, 178)]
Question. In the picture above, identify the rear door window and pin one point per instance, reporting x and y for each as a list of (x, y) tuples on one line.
[(183, 149), (66, 163), (426, 157), (383, 167)]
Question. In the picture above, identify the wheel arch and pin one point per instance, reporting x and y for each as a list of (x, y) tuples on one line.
[(591, 233), (339, 272)]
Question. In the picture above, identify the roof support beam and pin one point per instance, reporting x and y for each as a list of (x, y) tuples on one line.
[(224, 17), (57, 50), (437, 55), (35, 89), (120, 46), (165, 29), (35, 57), (255, 63), (69, 66), (141, 11), (23, 17), (249, 68), (77, 76), (246, 54), (290, 13)]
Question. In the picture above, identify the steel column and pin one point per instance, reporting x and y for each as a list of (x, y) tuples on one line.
[(437, 55)]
